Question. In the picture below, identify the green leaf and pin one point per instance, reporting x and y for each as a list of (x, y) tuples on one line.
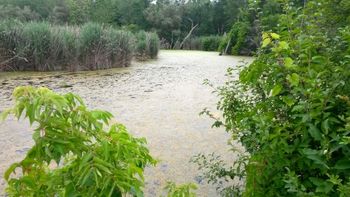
[(276, 90), (265, 35), (275, 36), (69, 191), (10, 170), (318, 59), (283, 45), (322, 185), (103, 168), (314, 132), (315, 156), (325, 126), (293, 79), (266, 42), (4, 114), (342, 164), (288, 100), (289, 63)]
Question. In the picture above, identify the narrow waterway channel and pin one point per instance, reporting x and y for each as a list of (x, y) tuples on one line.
[(159, 100)]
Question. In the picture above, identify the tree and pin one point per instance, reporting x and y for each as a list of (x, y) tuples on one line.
[(79, 11), (166, 20), (60, 13), (22, 14), (42, 7)]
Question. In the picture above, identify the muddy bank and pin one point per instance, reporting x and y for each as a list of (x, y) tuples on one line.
[(159, 100)]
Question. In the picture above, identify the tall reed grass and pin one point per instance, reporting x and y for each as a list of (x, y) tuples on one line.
[(147, 45), (40, 46)]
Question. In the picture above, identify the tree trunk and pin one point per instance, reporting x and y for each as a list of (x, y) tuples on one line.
[(228, 44), (188, 35)]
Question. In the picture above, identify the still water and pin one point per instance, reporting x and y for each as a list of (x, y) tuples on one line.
[(159, 100)]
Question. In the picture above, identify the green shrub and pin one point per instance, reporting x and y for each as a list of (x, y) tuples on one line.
[(10, 38), (153, 40), (14, 12), (184, 190), (141, 44), (236, 42), (76, 152), (64, 50), (193, 43), (119, 45), (39, 46), (210, 43), (91, 46), (203, 43), (35, 46), (147, 45), (290, 108)]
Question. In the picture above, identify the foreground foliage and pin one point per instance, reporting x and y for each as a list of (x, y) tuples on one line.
[(183, 190), (290, 108), (76, 152)]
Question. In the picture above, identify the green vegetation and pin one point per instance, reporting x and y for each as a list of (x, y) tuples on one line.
[(147, 45), (254, 17), (203, 43), (102, 48), (40, 46), (235, 42), (76, 151), (290, 108), (173, 21), (23, 14), (184, 190)]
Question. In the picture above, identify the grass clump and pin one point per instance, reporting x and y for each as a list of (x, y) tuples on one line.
[(64, 50), (119, 45), (36, 46), (10, 34), (146, 46), (91, 47), (40, 46)]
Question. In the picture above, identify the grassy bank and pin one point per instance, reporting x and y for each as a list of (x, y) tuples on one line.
[(40, 46)]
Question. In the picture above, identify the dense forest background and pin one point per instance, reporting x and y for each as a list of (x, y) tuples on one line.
[(229, 26), (177, 22), (172, 20)]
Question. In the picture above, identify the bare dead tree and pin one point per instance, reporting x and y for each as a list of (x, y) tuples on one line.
[(193, 27)]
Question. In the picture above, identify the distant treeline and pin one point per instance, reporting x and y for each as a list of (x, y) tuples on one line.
[(40, 46), (175, 21), (180, 24)]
